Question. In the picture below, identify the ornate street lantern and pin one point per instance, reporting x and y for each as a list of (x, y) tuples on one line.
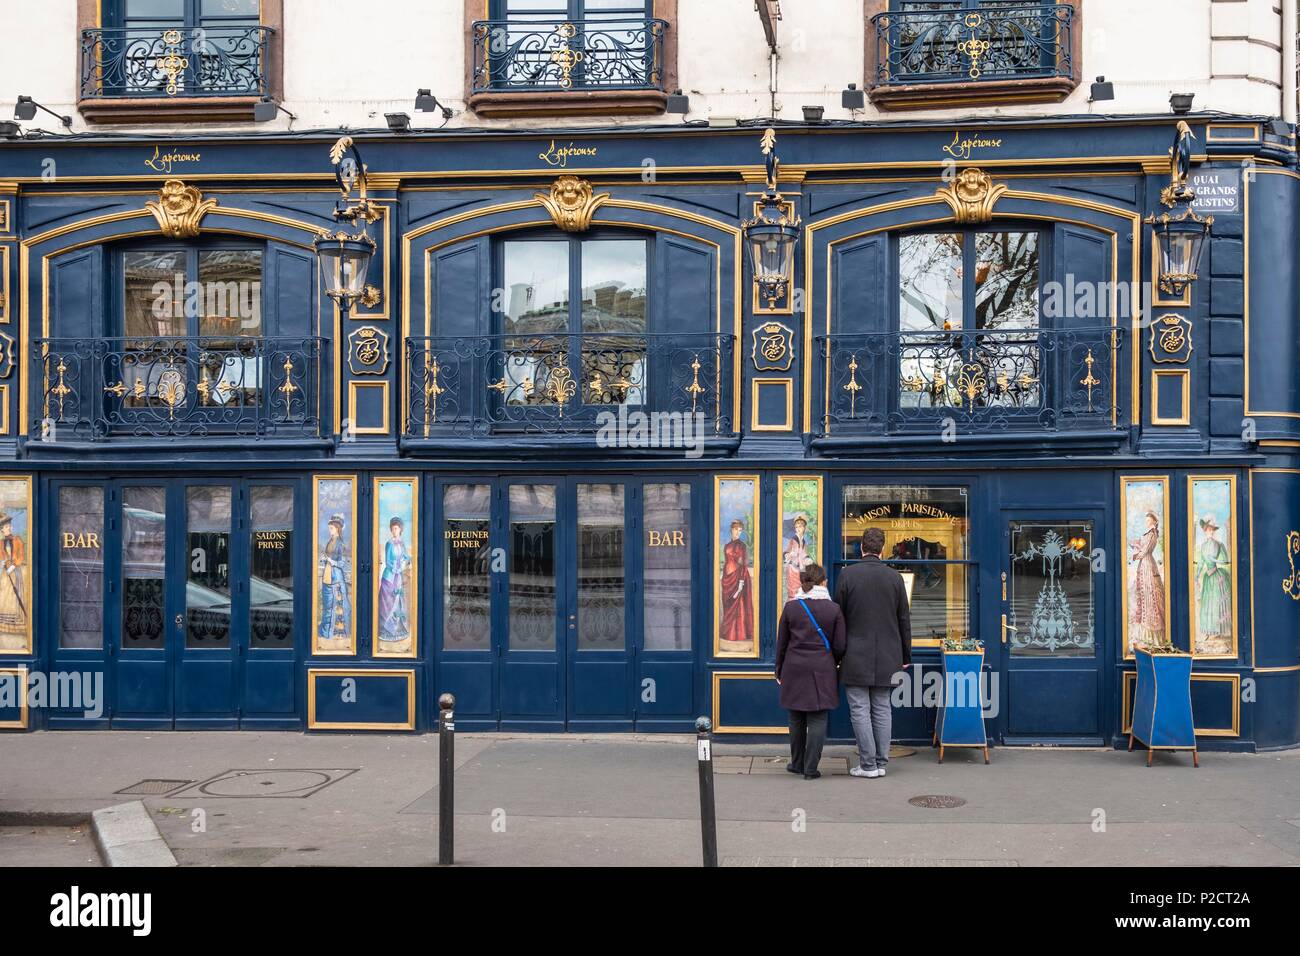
[(773, 233), (345, 256), (1180, 239)]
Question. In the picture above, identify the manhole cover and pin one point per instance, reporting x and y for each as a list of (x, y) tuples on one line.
[(155, 787), (265, 783), (896, 751), (936, 801)]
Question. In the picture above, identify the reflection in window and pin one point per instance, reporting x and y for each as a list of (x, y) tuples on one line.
[(667, 578), (207, 551), (270, 586), (926, 536), (81, 566), (1051, 589), (532, 588), (574, 309), (971, 343), (466, 564), (602, 575), (144, 552)]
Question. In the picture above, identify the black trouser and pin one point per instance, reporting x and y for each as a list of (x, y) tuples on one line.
[(807, 737)]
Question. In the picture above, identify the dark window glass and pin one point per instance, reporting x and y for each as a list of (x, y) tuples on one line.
[(532, 595), (270, 586), (602, 574), (207, 587), (144, 553), (81, 566), (1051, 589), (667, 550), (466, 577)]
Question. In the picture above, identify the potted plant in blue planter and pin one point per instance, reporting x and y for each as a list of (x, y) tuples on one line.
[(960, 720), (1162, 702)]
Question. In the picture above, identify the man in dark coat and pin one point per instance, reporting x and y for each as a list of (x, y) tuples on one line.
[(809, 643), (879, 626)]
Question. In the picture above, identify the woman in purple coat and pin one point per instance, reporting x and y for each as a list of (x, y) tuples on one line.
[(809, 644)]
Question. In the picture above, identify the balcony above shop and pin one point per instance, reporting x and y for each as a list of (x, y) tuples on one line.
[(141, 74), (969, 387), (965, 56), (527, 66), (627, 394), (216, 392)]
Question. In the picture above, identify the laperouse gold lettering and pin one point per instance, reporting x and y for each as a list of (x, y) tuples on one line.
[(560, 156), (164, 162), (963, 148)]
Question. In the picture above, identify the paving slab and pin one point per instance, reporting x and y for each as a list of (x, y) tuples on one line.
[(633, 800)]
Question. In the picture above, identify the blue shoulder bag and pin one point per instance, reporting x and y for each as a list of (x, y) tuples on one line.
[(820, 632)]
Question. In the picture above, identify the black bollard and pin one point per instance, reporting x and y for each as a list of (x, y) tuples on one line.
[(708, 818), (446, 779)]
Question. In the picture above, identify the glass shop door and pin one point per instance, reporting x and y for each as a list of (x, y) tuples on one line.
[(1051, 640)]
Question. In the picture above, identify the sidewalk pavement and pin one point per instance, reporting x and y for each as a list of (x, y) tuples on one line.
[(288, 799)]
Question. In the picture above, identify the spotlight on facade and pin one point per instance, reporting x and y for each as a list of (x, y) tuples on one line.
[(266, 109), (678, 102), (398, 122), (1280, 127), (1101, 90), (426, 102), (853, 98), (772, 234), (1179, 238), (1181, 102), (345, 257), (26, 107), (813, 114), (9, 129)]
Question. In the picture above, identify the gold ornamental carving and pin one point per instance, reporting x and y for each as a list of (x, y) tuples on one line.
[(1291, 584), (571, 203), (179, 209), (972, 196)]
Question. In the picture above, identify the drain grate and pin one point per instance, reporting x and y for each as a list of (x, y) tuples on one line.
[(937, 801), (152, 787)]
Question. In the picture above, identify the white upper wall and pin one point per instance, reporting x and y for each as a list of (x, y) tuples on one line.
[(345, 70)]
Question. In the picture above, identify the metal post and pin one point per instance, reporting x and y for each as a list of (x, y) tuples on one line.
[(446, 779), (708, 818)]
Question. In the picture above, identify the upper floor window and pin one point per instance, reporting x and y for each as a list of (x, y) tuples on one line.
[(942, 52), (551, 49), (983, 284), (574, 309), (173, 51)]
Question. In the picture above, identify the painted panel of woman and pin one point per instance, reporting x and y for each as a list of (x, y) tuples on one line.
[(394, 618), (1213, 592), (737, 604), (335, 604), (1148, 614), (13, 560), (795, 557)]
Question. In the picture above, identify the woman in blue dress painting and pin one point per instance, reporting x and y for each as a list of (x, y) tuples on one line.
[(393, 618), (335, 606)]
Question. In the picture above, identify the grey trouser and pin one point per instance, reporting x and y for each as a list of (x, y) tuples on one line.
[(872, 723)]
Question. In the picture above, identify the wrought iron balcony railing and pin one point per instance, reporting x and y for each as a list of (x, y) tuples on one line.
[(963, 45), (141, 62), (558, 384), (983, 381), (97, 389), (560, 55)]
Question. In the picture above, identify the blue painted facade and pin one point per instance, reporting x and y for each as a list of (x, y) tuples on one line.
[(1112, 406)]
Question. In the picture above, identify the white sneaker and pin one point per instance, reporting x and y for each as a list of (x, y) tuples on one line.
[(860, 771), (880, 771)]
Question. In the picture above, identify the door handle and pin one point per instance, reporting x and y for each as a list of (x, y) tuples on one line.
[(1007, 627), (180, 622)]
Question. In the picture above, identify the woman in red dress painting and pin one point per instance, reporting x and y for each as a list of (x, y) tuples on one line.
[(737, 604)]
